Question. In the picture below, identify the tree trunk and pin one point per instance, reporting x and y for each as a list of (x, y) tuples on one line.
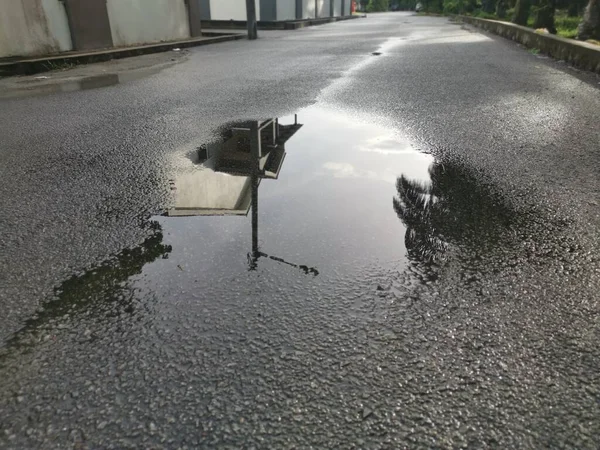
[(521, 13), (589, 28), (573, 9), (501, 9), (543, 16), (471, 5), (487, 6)]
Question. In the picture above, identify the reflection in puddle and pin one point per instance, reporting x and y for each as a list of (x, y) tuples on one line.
[(346, 180), (343, 181), (452, 208), (333, 204), (228, 175), (416, 207), (106, 290), (221, 183)]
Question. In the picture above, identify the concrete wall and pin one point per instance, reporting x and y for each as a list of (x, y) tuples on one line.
[(308, 9), (145, 21), (347, 7), (231, 9), (33, 27), (580, 54), (323, 8), (337, 8), (268, 10), (286, 9)]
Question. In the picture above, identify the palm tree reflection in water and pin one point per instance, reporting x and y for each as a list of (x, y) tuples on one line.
[(454, 208)]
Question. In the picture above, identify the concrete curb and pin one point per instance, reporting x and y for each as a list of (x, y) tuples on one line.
[(581, 54), (29, 66), (274, 25)]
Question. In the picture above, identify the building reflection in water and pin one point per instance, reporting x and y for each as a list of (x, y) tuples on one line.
[(229, 173)]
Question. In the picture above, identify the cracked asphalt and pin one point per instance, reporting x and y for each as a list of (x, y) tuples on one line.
[(445, 186)]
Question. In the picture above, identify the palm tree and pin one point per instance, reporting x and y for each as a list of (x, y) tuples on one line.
[(454, 209), (416, 206)]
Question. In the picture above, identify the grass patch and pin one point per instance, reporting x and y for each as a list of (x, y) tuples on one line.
[(484, 15), (566, 26), (534, 51), (58, 65)]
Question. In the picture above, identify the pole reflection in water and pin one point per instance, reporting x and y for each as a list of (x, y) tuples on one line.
[(229, 173)]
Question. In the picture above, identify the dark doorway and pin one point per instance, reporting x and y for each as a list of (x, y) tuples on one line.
[(90, 27), (195, 16), (268, 10)]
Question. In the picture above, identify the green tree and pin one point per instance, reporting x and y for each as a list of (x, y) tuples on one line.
[(589, 28), (378, 5), (574, 8), (436, 6), (521, 13), (487, 6)]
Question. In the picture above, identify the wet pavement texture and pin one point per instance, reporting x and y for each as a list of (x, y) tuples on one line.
[(422, 270)]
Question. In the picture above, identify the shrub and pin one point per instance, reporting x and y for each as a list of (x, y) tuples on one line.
[(378, 5), (484, 15)]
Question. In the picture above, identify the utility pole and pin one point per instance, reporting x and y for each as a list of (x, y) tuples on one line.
[(251, 19), (255, 157)]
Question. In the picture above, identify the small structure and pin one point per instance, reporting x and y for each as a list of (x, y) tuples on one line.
[(274, 10), (229, 174), (221, 181)]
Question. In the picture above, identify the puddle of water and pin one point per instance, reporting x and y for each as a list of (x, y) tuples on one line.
[(221, 180), (324, 187), (323, 201), (45, 86), (107, 290)]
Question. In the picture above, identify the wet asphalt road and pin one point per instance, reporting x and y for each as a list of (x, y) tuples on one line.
[(447, 191)]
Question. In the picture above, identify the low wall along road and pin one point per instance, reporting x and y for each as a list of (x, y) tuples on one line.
[(581, 54)]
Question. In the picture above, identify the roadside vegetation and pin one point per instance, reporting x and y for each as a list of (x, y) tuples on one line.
[(575, 19)]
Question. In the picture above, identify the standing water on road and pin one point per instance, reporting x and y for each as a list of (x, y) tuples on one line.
[(409, 262), (291, 270), (327, 200), (339, 195)]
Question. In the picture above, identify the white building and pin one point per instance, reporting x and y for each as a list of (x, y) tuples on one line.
[(274, 10)]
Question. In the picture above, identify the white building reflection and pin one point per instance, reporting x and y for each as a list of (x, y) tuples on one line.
[(221, 183), (229, 173)]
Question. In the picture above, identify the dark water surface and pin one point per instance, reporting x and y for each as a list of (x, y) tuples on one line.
[(331, 205), (344, 203)]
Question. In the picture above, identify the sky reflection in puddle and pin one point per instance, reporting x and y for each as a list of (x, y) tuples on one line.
[(328, 201), (344, 203)]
